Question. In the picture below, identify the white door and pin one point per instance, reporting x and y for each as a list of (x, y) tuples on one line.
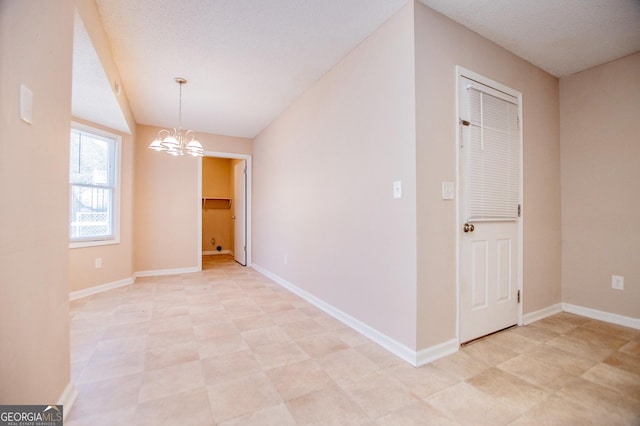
[(240, 212), (489, 209)]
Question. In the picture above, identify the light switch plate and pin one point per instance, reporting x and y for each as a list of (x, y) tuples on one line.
[(397, 189), (26, 104), (448, 190)]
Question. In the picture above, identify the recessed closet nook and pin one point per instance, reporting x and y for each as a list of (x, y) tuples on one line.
[(217, 205)]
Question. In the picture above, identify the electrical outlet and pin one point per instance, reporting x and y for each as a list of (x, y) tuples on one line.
[(617, 282), (98, 262), (286, 259)]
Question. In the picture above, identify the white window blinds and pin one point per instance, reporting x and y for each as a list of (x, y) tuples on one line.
[(493, 156)]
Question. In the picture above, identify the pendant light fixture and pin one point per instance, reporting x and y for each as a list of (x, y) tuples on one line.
[(177, 141)]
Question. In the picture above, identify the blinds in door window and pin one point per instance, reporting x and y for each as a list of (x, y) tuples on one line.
[(493, 156)]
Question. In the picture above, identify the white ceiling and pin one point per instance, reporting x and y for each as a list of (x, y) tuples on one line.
[(247, 60), (560, 36)]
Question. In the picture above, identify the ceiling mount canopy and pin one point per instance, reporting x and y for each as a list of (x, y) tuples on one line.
[(177, 141)]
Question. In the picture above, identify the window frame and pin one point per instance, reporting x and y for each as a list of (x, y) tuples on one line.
[(115, 237)]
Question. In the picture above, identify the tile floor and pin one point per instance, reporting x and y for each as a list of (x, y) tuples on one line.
[(229, 347)]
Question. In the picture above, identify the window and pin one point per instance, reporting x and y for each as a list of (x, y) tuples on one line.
[(93, 176)]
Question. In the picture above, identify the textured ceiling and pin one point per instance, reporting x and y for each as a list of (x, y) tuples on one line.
[(247, 60), (92, 98), (560, 36)]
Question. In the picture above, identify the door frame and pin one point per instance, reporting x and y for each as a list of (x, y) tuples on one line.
[(247, 158), (463, 72)]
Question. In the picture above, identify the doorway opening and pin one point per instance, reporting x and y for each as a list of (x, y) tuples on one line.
[(224, 206)]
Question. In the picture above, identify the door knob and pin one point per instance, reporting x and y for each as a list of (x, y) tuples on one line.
[(468, 227)]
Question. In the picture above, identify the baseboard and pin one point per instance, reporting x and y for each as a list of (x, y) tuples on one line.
[(100, 288), (159, 272), (213, 252), (67, 399), (400, 350), (541, 314), (602, 316), (433, 353)]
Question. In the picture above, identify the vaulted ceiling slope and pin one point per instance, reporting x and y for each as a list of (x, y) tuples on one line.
[(247, 60)]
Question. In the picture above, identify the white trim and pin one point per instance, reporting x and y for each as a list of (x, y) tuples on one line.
[(78, 294), (433, 353), (214, 252), (541, 314), (602, 316), (159, 272), (67, 399), (400, 350)]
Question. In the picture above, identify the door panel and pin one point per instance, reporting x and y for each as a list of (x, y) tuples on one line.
[(489, 165), (240, 213)]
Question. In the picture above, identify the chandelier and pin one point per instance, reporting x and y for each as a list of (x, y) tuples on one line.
[(177, 141)]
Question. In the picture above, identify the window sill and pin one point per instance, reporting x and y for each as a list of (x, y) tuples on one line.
[(94, 243)]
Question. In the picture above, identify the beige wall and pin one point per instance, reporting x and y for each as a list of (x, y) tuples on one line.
[(216, 222), (440, 45), (166, 201), (322, 185), (36, 41), (599, 110)]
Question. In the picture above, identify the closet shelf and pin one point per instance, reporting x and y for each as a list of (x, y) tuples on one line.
[(216, 203)]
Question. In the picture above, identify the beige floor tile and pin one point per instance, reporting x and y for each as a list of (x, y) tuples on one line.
[(216, 347), (604, 405), (624, 361), (221, 345), (467, 405), (124, 416), (265, 336), (614, 378), (241, 396), (278, 354), (347, 366), (330, 406), (299, 329), (569, 363), (253, 322), (275, 415), (171, 380), (106, 395), (460, 365), (580, 347), (171, 355), (298, 379), (631, 348), (423, 381), (416, 414), (379, 394), (488, 352), (536, 372), (227, 367), (187, 408), (117, 365), (513, 340), (622, 332), (509, 389), (379, 355), (211, 330), (605, 340), (320, 345)]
